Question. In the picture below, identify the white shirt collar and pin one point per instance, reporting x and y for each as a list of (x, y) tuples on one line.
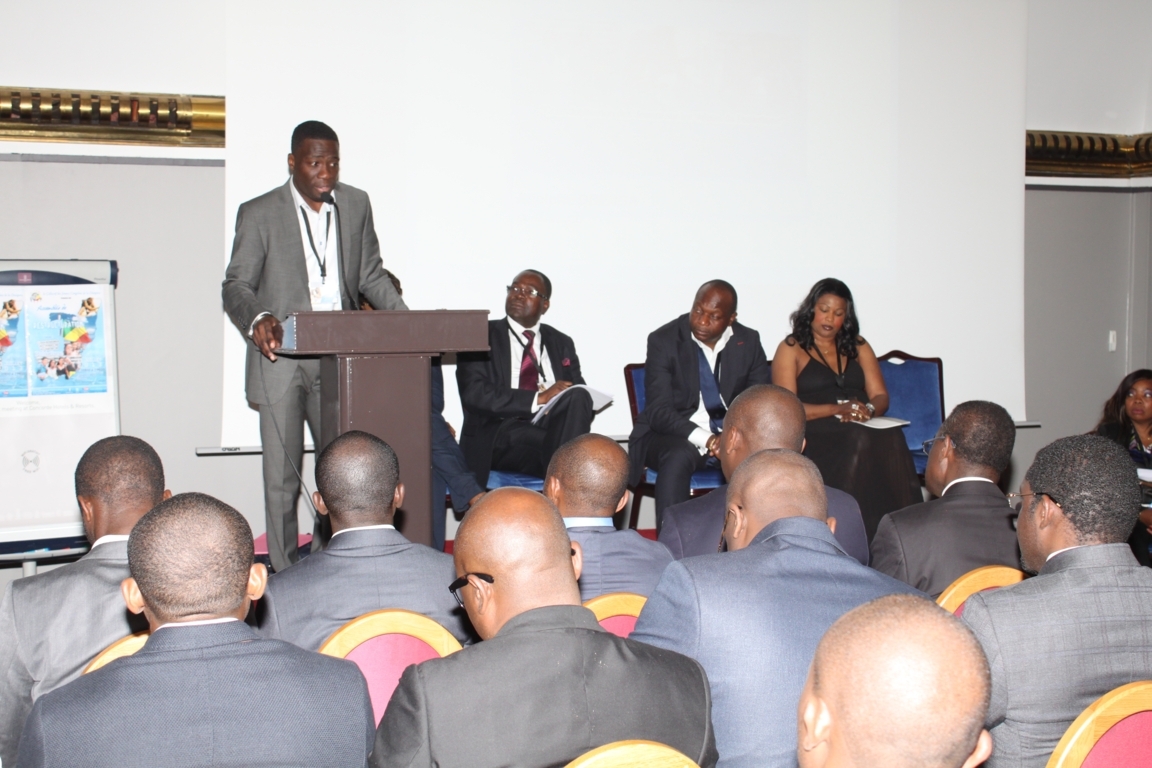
[(198, 623), (588, 522), (381, 527), (1062, 550), (720, 344), (110, 538), (300, 201), (965, 480), (520, 329)]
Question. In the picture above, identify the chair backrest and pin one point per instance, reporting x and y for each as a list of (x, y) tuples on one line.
[(1112, 731), (634, 381), (977, 580), (385, 643), (915, 394), (632, 754), (125, 646), (617, 611)]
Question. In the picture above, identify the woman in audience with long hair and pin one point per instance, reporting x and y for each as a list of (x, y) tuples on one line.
[(835, 373), (1127, 419)]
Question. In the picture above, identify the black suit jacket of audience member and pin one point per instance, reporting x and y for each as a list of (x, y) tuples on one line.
[(672, 382), (550, 686), (214, 694), (931, 544), (488, 394), (693, 528)]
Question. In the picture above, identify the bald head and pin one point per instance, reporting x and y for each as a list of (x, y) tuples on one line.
[(771, 485), (763, 417), (518, 538), (588, 477), (903, 682)]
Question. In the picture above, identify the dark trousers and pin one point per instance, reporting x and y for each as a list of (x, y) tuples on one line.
[(674, 459), (449, 469), (521, 446)]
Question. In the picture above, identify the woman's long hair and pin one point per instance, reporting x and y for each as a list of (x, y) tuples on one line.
[(801, 319), (1114, 412)]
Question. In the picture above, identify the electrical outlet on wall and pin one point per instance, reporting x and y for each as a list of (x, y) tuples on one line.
[(1111, 341)]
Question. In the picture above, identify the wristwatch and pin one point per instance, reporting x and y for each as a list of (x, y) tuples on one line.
[(871, 409)]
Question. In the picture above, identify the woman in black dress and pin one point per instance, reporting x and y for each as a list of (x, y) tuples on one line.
[(835, 373)]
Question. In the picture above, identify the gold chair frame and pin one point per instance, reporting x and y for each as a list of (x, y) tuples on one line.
[(633, 754), (987, 577), (1094, 722), (125, 646), (390, 621), (616, 604)]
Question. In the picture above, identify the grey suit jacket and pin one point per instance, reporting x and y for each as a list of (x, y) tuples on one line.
[(208, 695), (931, 544), (618, 561), (1059, 641), (550, 686), (693, 527), (52, 625), (268, 273), (753, 618), (359, 572)]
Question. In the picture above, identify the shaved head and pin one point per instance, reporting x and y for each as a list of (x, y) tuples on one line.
[(904, 683), (592, 473), (769, 486), (763, 417), (356, 475)]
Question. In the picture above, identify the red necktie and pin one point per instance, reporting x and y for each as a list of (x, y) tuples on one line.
[(529, 377)]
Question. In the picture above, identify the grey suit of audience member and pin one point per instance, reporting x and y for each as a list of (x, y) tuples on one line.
[(360, 571), (618, 561), (206, 695), (52, 625), (693, 527), (1059, 641), (753, 619)]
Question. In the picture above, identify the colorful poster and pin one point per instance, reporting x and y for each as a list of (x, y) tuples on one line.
[(13, 349), (66, 344)]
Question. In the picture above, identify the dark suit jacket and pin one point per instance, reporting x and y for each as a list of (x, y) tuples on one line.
[(208, 695), (693, 527), (930, 545), (359, 572), (52, 625), (487, 394), (268, 273), (618, 561), (550, 686), (753, 618), (1059, 641), (672, 382)]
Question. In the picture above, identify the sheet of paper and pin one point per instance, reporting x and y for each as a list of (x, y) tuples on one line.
[(884, 422), (599, 400)]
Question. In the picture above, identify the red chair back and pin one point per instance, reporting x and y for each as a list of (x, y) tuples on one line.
[(383, 659), (1125, 743), (617, 611), (1112, 731)]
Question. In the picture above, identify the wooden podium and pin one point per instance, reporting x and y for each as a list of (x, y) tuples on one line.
[(375, 377)]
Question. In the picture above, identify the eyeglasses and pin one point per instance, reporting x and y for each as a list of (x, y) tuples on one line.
[(723, 545), (927, 446), (462, 582), (1016, 500), (530, 293)]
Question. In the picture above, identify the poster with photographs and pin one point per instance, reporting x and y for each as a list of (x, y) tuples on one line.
[(65, 332), (13, 349)]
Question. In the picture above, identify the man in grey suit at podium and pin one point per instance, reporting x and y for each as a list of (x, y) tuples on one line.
[(53, 624), (309, 245)]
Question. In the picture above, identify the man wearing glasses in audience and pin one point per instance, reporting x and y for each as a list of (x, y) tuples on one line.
[(528, 365)]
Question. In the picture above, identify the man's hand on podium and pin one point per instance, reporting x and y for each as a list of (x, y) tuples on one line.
[(268, 335), (552, 391)]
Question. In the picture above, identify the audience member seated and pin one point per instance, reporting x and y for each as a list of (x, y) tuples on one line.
[(527, 365), (1081, 627), (588, 482), (897, 683), (53, 624), (764, 416), (931, 544), (205, 689), (754, 615), (547, 684), (696, 365), (368, 565), (836, 374), (1127, 419)]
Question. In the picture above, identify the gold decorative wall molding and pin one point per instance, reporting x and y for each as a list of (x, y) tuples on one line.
[(1108, 155), (109, 117)]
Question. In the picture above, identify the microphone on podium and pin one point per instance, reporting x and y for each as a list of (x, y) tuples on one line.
[(326, 197)]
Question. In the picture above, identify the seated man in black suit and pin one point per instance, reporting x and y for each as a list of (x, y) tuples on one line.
[(897, 683), (54, 623), (696, 365), (762, 418), (205, 689), (931, 544), (588, 482), (548, 683), (527, 365), (368, 565)]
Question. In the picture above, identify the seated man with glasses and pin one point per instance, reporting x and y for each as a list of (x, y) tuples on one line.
[(931, 544), (1082, 626), (527, 365), (548, 683)]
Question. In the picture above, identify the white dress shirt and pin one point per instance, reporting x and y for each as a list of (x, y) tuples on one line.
[(324, 292), (364, 528), (703, 431), (197, 623), (517, 341), (965, 480), (108, 540)]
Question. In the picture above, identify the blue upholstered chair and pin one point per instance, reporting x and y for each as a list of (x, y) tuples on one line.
[(915, 394), (702, 482), (499, 479)]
